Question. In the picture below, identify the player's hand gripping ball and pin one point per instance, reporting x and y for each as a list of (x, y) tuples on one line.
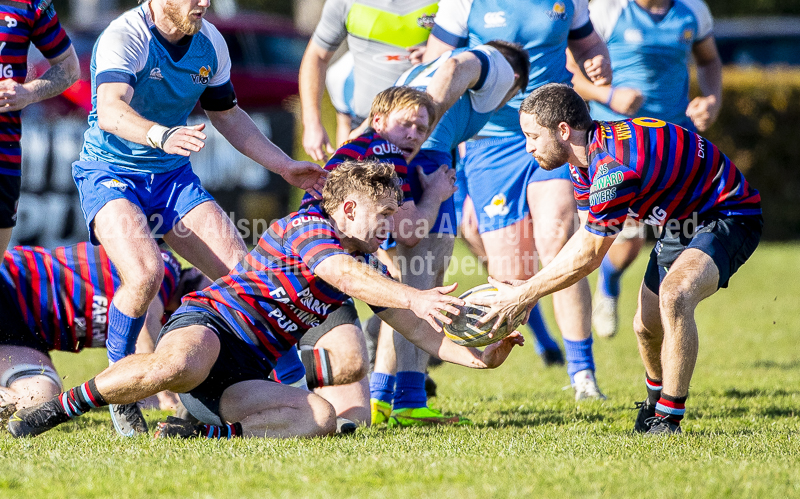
[(464, 329)]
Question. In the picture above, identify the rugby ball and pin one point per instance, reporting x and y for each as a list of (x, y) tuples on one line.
[(464, 329)]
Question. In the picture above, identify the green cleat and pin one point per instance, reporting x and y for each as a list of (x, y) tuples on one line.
[(379, 411), (424, 416)]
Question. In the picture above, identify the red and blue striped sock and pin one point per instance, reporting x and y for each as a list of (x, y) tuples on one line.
[(228, 431), (81, 399), (671, 408), (653, 389)]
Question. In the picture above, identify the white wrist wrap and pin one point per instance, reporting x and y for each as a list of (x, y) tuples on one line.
[(156, 136)]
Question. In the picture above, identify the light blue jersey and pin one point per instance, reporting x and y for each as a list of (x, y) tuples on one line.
[(541, 26), (167, 80), (474, 109), (651, 55)]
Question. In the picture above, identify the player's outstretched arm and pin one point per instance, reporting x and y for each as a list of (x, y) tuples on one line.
[(420, 333), (703, 111), (368, 285), (237, 126), (63, 72), (115, 115), (591, 54), (582, 254)]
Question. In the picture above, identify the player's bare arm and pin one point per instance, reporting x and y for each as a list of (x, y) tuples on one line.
[(622, 100), (703, 111), (435, 48), (419, 332), (63, 72), (591, 54), (239, 129), (455, 76), (413, 221), (312, 81), (582, 254), (115, 115), (370, 286)]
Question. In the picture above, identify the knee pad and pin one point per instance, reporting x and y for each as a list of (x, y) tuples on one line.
[(21, 371), (319, 371)]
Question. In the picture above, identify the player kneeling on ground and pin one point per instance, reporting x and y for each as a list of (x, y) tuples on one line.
[(80, 281), (219, 347)]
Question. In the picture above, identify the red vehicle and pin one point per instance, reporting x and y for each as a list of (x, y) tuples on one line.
[(265, 60)]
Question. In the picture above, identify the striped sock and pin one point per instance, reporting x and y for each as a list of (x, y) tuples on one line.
[(81, 399), (653, 389), (227, 431), (319, 371), (671, 408)]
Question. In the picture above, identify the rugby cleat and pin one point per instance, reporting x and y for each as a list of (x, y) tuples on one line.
[(605, 319), (663, 427), (344, 426), (177, 428), (128, 419), (646, 416), (424, 416), (36, 420), (585, 386), (379, 411), (552, 358)]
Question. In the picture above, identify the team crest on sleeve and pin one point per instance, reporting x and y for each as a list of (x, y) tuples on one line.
[(498, 206), (426, 21), (202, 76)]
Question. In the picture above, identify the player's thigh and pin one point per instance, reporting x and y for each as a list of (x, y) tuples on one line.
[(5, 238), (693, 277), (121, 228), (208, 239), (283, 411), (510, 251), (425, 263), (187, 349), (554, 213)]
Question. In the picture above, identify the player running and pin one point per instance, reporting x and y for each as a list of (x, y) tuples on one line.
[(149, 69), (218, 348), (663, 175), (58, 300)]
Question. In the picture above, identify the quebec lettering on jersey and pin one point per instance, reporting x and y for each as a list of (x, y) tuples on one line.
[(23, 22), (370, 145), (273, 297), (654, 172), (63, 295)]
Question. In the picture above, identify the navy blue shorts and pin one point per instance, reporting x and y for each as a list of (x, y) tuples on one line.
[(729, 241), (164, 198), (9, 199), (498, 171), (237, 361)]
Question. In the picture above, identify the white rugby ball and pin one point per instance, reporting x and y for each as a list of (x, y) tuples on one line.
[(464, 329)]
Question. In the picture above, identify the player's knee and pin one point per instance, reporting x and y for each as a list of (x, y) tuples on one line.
[(676, 297), (145, 279), (324, 417)]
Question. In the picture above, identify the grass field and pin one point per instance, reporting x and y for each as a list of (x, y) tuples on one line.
[(529, 439)]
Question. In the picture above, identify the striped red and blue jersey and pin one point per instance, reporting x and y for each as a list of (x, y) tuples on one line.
[(63, 294), (655, 172), (23, 22), (272, 297), (370, 145)]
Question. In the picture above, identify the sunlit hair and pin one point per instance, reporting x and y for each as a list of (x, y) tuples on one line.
[(555, 103), (372, 179), (398, 98)]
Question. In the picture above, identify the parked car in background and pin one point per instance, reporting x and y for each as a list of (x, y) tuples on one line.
[(265, 61), (758, 41)]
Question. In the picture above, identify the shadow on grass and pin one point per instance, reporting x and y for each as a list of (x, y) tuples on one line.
[(771, 364), (527, 417), (735, 393)]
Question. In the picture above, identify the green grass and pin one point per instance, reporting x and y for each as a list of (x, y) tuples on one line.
[(529, 440)]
